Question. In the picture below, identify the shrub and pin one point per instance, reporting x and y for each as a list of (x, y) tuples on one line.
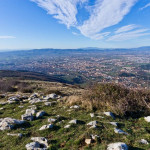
[(118, 99)]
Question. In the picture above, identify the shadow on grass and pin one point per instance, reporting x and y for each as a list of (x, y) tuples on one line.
[(135, 148), (24, 125)]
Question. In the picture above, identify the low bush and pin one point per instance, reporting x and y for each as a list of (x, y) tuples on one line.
[(118, 99)]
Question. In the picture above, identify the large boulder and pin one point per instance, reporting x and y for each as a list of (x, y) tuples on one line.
[(29, 114), (9, 123), (40, 143), (41, 140), (117, 146)]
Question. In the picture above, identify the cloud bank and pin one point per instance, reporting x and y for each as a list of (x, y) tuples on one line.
[(102, 15), (7, 37)]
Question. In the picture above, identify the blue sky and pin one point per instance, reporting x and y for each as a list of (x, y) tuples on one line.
[(27, 24)]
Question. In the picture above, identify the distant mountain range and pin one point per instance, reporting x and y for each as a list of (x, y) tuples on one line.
[(76, 50)]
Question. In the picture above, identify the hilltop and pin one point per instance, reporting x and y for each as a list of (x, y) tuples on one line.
[(70, 117)]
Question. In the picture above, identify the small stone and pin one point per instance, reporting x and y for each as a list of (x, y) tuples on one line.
[(119, 131), (18, 134), (143, 141), (92, 123), (114, 123), (48, 104), (51, 120), (49, 126), (75, 107), (110, 114), (67, 126), (88, 141), (73, 121), (92, 115)]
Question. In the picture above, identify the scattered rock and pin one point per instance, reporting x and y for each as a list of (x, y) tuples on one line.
[(75, 107), (92, 123), (95, 136), (114, 123), (20, 106), (51, 96), (110, 114), (88, 141), (92, 115), (100, 117), (73, 121), (117, 146), (9, 123), (147, 118), (35, 100), (29, 114), (51, 120), (28, 117), (49, 126), (48, 104), (41, 140), (143, 141), (33, 146), (30, 111), (67, 126), (18, 134), (40, 114), (119, 131)]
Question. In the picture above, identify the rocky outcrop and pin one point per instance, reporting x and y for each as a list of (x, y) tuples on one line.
[(9, 123), (49, 126), (117, 146)]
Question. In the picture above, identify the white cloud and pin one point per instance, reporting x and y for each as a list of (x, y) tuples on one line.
[(126, 28), (147, 5), (63, 10), (75, 33), (7, 37), (129, 35), (103, 14), (100, 36), (106, 13)]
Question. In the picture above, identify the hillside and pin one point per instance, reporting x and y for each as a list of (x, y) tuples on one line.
[(72, 118)]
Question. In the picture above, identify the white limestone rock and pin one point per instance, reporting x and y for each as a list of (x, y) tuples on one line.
[(75, 107), (117, 146), (147, 118), (73, 121), (88, 141), (48, 104), (40, 114), (51, 120), (143, 141), (67, 126), (9, 123), (119, 131), (33, 146), (17, 134), (114, 123), (92, 123), (109, 114), (49, 126), (35, 100), (92, 115), (41, 140)]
